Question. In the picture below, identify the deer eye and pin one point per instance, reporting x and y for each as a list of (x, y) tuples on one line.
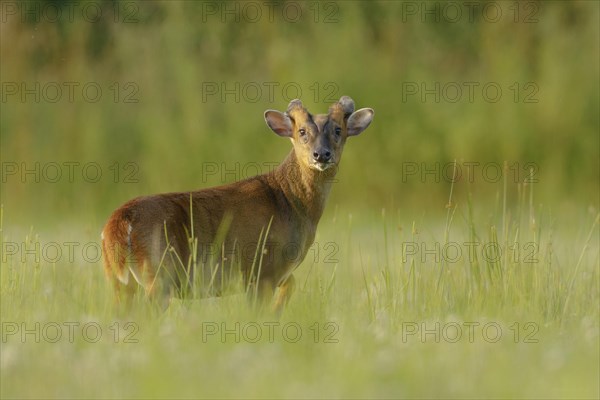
[(302, 132), (338, 130)]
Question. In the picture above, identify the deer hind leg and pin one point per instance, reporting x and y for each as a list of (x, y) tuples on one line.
[(266, 292), (116, 272), (124, 292), (142, 271), (126, 264)]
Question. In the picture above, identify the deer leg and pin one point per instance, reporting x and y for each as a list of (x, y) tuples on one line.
[(260, 293), (156, 285), (115, 270), (286, 289)]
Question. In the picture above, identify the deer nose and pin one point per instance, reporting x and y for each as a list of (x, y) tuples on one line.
[(322, 155)]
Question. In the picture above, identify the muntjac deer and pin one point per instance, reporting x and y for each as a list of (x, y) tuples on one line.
[(158, 241)]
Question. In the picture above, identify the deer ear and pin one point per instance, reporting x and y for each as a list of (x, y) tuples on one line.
[(359, 121), (279, 122)]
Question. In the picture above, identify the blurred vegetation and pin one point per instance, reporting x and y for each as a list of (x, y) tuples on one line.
[(169, 53), (157, 127)]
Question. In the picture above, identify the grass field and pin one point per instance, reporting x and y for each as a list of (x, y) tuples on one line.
[(387, 307), (418, 285)]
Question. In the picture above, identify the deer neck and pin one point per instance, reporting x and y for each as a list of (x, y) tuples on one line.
[(305, 188)]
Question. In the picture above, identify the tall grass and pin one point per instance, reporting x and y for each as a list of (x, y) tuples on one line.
[(384, 314)]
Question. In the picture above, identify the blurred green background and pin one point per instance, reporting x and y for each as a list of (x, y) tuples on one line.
[(184, 85), (101, 101)]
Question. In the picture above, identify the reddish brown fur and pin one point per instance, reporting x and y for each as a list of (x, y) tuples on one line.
[(148, 237)]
